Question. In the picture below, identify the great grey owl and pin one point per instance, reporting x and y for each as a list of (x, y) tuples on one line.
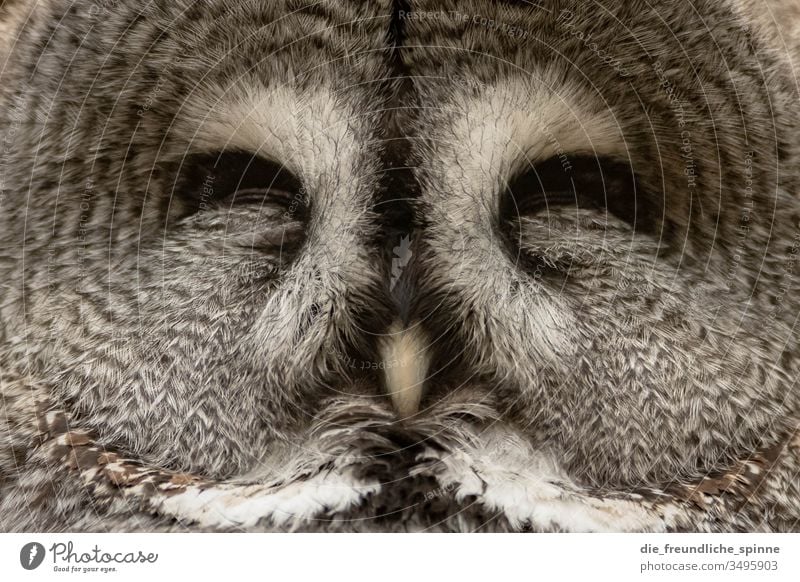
[(399, 265)]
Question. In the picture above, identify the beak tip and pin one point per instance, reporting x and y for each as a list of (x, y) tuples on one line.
[(406, 360)]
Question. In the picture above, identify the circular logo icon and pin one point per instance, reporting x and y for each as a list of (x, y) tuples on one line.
[(31, 555)]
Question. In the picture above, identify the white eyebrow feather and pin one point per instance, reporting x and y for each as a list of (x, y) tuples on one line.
[(305, 131)]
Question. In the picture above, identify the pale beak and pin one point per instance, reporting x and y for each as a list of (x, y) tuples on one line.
[(406, 359)]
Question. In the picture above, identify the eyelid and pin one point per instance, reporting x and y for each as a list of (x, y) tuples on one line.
[(236, 177), (582, 181), (260, 195), (245, 171)]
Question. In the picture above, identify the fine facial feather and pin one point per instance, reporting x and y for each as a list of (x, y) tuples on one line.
[(181, 353)]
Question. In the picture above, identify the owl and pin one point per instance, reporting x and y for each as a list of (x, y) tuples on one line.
[(399, 265)]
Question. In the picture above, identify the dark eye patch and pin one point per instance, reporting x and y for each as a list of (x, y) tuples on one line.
[(586, 182), (542, 207), (239, 178), (246, 202)]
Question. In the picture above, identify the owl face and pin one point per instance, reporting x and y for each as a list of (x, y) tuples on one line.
[(227, 216)]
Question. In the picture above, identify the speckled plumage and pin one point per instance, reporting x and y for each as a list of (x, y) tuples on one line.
[(175, 359)]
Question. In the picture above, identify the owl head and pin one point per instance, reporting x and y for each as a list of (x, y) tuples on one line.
[(573, 228)]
